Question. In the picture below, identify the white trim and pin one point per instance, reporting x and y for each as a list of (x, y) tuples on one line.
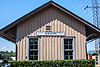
[(74, 57), (74, 52), (63, 48), (38, 47), (28, 50)]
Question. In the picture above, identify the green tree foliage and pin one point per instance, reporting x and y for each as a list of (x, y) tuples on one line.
[(1, 56), (5, 55)]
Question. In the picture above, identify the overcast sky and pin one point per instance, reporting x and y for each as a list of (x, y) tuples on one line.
[(10, 10)]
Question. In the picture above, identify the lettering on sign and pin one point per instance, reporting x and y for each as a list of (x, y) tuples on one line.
[(50, 33)]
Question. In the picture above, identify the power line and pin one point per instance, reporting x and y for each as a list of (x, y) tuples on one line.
[(80, 9), (96, 20)]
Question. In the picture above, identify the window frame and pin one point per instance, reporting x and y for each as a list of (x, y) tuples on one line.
[(38, 46), (73, 46), (48, 29)]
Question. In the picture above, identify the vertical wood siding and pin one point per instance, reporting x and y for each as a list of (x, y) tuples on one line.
[(51, 46)]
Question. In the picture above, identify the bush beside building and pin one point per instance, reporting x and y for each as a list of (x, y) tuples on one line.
[(54, 63)]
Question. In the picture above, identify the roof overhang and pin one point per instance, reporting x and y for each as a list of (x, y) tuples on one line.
[(9, 32)]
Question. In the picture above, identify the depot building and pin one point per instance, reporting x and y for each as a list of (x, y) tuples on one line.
[(50, 32)]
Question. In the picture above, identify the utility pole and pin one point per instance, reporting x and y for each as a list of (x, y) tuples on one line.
[(95, 9), (96, 20)]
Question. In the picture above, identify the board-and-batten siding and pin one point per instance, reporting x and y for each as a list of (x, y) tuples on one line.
[(50, 46)]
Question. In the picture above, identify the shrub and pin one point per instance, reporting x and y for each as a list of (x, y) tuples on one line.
[(54, 63)]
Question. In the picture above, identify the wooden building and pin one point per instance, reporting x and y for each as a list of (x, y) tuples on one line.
[(50, 32)]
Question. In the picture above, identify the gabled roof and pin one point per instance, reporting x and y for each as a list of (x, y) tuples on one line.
[(9, 32)]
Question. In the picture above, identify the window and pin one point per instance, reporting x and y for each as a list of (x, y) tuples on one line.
[(48, 28), (33, 49), (68, 49)]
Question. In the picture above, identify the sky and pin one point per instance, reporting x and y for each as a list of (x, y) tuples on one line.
[(11, 10)]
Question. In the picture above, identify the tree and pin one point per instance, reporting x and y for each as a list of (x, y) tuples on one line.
[(1, 57), (7, 55)]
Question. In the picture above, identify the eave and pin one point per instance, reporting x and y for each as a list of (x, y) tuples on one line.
[(13, 26)]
